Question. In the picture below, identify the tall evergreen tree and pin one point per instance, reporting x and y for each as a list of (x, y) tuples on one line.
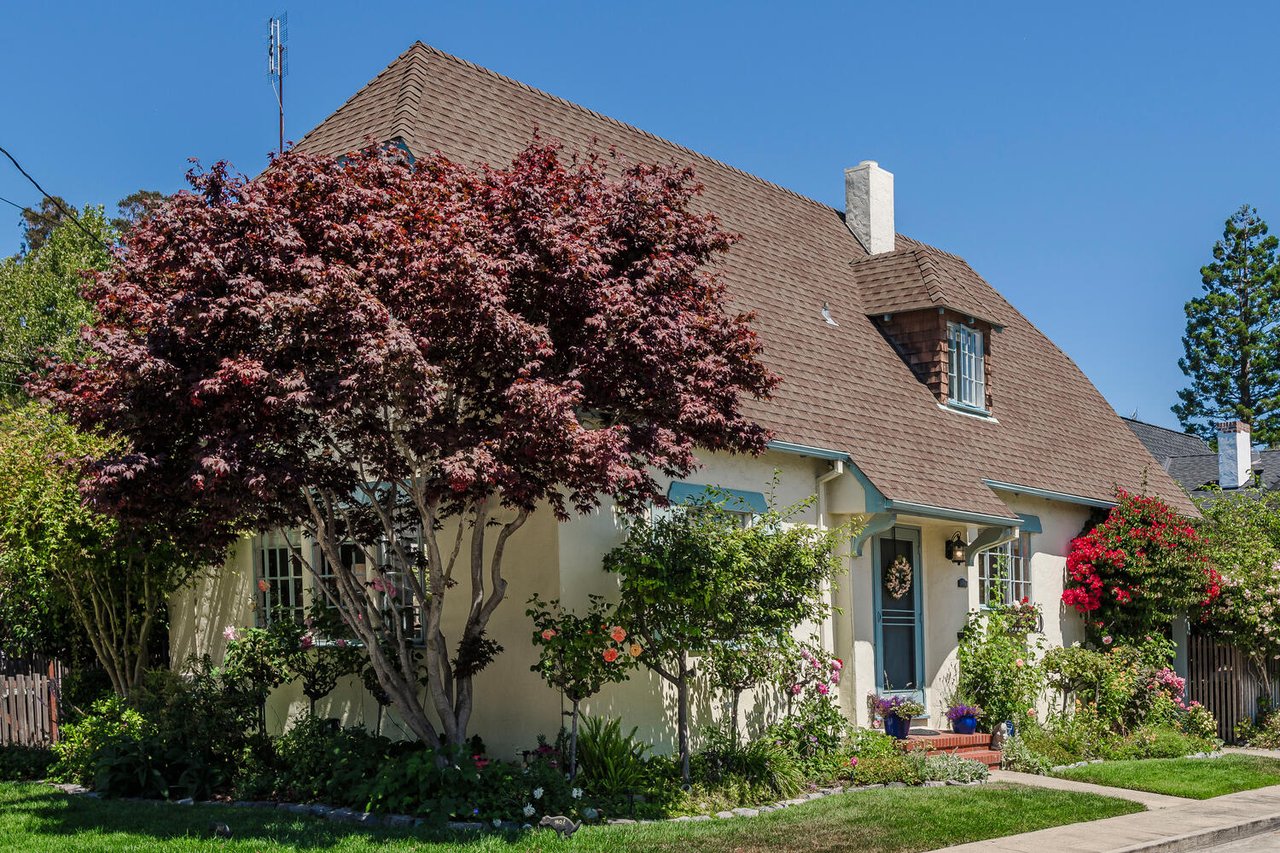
[(1232, 342)]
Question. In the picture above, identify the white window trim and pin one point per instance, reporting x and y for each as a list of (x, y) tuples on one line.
[(1019, 581), (966, 367)]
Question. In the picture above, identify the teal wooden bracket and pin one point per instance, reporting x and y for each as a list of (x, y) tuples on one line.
[(990, 537), (878, 523)]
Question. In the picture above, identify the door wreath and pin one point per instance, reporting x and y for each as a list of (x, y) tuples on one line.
[(898, 577)]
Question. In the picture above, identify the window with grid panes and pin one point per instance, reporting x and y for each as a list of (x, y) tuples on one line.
[(353, 558), (279, 580), (398, 589), (966, 379), (1004, 572)]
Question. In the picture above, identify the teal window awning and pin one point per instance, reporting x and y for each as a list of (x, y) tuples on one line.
[(735, 500)]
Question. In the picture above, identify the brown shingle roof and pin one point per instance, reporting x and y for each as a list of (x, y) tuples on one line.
[(923, 277), (843, 388)]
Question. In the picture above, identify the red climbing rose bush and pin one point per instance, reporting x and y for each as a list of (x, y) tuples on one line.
[(1139, 569)]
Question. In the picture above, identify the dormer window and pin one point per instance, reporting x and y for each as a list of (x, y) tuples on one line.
[(966, 372)]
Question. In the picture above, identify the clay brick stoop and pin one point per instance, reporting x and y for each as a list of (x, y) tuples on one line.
[(976, 747)]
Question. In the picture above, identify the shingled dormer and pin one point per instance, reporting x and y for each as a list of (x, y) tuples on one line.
[(927, 305)]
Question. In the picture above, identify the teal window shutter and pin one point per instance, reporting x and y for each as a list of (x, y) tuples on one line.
[(736, 500)]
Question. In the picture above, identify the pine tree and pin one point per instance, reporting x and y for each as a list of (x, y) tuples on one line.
[(1232, 342)]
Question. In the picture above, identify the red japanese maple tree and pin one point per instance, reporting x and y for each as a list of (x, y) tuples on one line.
[(413, 357)]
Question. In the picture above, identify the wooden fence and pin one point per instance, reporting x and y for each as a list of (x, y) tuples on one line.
[(1221, 678), (29, 692)]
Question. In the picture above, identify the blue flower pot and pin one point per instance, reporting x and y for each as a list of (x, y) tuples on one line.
[(1012, 730), (897, 727), (966, 725)]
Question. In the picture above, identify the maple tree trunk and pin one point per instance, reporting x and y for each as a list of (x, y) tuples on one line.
[(449, 685)]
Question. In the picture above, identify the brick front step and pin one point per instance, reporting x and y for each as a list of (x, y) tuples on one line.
[(989, 757), (946, 741)]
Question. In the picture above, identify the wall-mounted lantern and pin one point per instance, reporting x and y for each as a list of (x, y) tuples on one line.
[(957, 549)]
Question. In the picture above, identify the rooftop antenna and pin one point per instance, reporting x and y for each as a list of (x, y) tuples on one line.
[(278, 62)]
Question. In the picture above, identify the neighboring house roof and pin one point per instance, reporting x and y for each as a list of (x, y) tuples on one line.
[(844, 387), (1164, 442), (1190, 460)]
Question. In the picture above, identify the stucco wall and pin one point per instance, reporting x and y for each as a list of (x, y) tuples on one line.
[(563, 560)]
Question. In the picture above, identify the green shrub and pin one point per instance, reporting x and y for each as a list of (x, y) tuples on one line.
[(610, 763), (1263, 735), (24, 763), (815, 735), (760, 764), (1019, 756), (998, 668), (1157, 741), (319, 761), (883, 769), (439, 786), (869, 743), (82, 740), (949, 767)]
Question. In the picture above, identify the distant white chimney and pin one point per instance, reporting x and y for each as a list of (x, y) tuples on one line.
[(868, 206), (1235, 455)]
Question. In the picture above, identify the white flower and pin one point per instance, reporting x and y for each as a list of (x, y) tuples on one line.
[(497, 822), (537, 793), (529, 811), (576, 793)]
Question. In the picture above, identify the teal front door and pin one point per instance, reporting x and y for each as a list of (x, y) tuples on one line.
[(899, 634)]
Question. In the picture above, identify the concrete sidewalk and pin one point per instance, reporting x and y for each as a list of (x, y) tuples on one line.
[(1168, 828)]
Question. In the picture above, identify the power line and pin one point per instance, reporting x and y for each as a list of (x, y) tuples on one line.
[(21, 207), (56, 202)]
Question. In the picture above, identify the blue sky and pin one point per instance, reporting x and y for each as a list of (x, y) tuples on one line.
[(1081, 156)]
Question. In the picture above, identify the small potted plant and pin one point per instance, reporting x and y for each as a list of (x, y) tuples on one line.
[(897, 714), (964, 718)]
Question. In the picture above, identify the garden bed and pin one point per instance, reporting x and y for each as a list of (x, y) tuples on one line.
[(35, 817), (1194, 778)]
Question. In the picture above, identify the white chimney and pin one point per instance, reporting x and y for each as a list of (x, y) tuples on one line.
[(1235, 455), (868, 206)]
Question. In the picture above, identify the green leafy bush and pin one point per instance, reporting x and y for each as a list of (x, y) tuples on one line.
[(903, 767), (82, 740), (949, 767), (438, 786), (24, 763), (763, 764), (815, 735), (318, 761), (1020, 756), (1157, 741), (998, 668)]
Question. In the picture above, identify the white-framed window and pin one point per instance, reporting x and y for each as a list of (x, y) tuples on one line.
[(353, 558), (397, 586), (279, 573), (1004, 572), (966, 377)]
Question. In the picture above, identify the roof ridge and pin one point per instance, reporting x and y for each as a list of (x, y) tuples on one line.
[(1161, 427), (418, 44), (930, 275)]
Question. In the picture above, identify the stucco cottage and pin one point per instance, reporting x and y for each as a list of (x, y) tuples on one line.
[(914, 397)]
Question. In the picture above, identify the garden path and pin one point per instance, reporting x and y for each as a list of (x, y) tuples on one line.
[(1188, 825)]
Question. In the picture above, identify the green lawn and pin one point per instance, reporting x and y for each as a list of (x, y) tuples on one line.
[(1196, 778), (35, 818)]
